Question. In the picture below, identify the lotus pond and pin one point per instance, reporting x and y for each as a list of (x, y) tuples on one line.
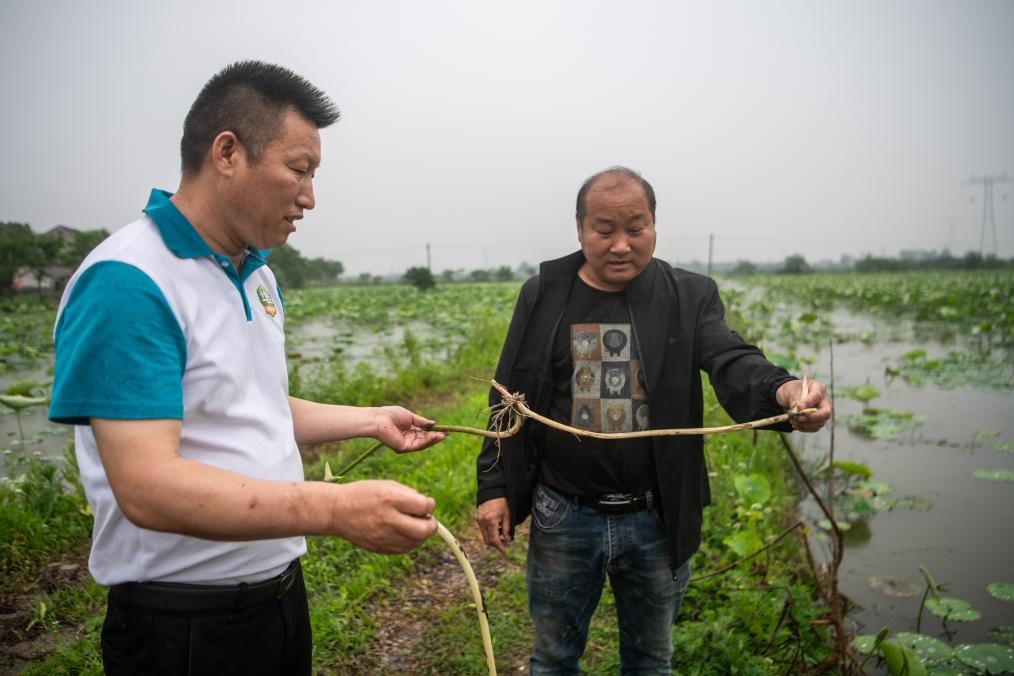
[(924, 448)]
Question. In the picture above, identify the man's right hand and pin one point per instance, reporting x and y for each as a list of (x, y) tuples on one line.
[(383, 516), (494, 520)]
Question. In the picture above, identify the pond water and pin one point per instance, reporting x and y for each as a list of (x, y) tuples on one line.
[(311, 345), (965, 539), (41, 438)]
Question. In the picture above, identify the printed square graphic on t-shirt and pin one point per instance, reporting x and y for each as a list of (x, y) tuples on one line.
[(587, 378), (586, 414), (638, 381), (639, 417), (615, 342), (607, 386), (585, 342), (616, 415), (616, 380)]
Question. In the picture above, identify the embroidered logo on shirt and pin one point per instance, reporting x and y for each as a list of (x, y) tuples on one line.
[(265, 298)]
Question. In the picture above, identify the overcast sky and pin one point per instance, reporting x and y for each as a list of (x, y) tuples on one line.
[(808, 127)]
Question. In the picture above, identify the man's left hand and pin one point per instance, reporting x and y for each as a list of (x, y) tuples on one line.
[(402, 430), (790, 396)]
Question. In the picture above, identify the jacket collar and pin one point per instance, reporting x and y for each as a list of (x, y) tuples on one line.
[(649, 297)]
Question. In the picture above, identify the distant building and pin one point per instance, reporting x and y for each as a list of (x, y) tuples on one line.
[(53, 277), (66, 233)]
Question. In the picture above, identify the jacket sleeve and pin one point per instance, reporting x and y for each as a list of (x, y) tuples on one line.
[(492, 480), (744, 380)]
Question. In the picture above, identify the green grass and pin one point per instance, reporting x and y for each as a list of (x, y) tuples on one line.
[(43, 513), (343, 579)]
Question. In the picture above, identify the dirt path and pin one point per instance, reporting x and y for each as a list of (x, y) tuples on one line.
[(403, 620), (23, 639)]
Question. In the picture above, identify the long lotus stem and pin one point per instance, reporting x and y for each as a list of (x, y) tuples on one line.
[(473, 583), (521, 411), (480, 603)]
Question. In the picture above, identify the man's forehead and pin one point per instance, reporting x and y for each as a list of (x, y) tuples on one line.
[(610, 189), (299, 135)]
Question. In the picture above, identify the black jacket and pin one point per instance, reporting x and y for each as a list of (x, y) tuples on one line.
[(678, 320)]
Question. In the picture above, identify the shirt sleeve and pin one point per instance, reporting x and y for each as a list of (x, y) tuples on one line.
[(120, 351)]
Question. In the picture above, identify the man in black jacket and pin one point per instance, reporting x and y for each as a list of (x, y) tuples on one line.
[(610, 339)]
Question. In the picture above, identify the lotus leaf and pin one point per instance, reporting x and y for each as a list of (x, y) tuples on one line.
[(893, 586), (953, 609), (864, 643), (863, 393), (986, 433), (930, 650), (884, 424), (786, 361), (906, 502), (18, 402), (752, 488), (901, 660), (957, 369), (987, 657), (744, 542), (984, 474), (875, 487), (26, 388), (1001, 590), (856, 468), (1002, 634)]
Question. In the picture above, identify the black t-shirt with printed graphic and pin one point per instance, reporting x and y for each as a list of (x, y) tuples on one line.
[(599, 386)]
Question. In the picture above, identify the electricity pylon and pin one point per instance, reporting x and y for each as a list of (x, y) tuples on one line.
[(988, 215)]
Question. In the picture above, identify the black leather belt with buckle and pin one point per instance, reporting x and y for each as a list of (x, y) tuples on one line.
[(617, 504), (198, 598)]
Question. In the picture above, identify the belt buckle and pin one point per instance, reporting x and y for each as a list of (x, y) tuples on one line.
[(286, 582), (616, 500)]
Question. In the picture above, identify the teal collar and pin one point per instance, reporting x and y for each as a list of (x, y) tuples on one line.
[(179, 235)]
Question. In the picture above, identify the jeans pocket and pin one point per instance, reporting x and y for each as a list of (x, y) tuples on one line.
[(549, 509)]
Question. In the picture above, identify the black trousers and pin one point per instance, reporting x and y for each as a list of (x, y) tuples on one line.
[(267, 637)]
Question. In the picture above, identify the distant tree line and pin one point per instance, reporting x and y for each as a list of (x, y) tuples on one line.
[(294, 272), (797, 264), (46, 255), (972, 260), (56, 254), (423, 278)]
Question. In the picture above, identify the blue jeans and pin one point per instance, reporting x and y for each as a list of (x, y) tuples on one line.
[(570, 551)]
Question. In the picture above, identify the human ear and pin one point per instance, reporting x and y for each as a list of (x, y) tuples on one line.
[(225, 151)]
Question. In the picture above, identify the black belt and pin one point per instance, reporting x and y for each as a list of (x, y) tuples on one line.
[(200, 598), (617, 504)]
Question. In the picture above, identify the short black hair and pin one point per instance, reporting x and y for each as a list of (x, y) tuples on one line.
[(620, 173), (249, 98)]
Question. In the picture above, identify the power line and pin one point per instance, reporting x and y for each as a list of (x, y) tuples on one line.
[(988, 214)]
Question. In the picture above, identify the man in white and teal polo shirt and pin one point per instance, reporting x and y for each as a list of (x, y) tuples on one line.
[(170, 360)]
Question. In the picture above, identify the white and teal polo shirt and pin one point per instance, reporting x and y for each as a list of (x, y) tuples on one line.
[(155, 325)]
